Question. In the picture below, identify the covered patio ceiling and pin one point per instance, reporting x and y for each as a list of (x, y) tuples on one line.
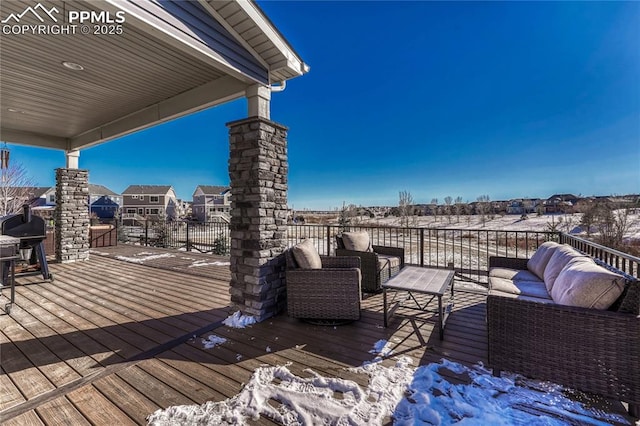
[(167, 59)]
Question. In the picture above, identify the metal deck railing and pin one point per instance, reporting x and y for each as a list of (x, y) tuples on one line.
[(467, 251)]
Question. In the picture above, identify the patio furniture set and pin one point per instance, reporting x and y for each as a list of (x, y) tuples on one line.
[(330, 288), (558, 316)]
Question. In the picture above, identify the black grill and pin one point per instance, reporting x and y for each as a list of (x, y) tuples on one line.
[(31, 230)]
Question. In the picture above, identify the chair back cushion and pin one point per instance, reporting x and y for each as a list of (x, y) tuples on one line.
[(585, 284), (357, 241), (306, 255), (540, 258), (560, 257)]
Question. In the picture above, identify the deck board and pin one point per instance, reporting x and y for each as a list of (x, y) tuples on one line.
[(110, 341), (61, 412), (10, 395), (27, 419), (128, 399), (96, 408)]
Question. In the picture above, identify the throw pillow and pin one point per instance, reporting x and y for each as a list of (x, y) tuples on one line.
[(306, 255), (585, 284), (540, 258), (560, 257), (357, 241)]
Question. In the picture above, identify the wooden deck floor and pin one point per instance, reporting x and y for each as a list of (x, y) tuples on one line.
[(110, 342)]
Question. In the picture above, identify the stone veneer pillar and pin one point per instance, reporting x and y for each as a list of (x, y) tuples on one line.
[(72, 215), (258, 169)]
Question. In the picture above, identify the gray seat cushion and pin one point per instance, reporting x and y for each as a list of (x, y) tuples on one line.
[(520, 296), (513, 274), (386, 261), (525, 288)]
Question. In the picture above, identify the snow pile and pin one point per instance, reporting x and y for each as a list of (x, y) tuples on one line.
[(213, 341), (99, 253), (237, 320), (381, 349), (508, 400), (305, 401), (143, 257), (408, 395), (205, 263)]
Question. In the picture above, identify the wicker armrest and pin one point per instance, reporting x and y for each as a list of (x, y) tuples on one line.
[(340, 261), (588, 349), (368, 266), (368, 260), (391, 251), (508, 262)]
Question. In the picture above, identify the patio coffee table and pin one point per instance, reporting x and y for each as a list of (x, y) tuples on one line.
[(418, 280)]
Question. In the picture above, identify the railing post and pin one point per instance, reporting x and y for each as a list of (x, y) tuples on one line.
[(421, 246), (146, 232), (187, 236), (328, 240)]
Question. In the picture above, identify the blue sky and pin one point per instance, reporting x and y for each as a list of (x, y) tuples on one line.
[(507, 99)]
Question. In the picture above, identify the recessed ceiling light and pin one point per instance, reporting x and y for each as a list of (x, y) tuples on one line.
[(72, 66)]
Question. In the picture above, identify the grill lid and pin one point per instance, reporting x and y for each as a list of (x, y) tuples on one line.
[(23, 225)]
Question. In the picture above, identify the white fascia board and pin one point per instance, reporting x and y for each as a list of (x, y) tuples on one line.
[(213, 12), (213, 93), (293, 61), (159, 29), (21, 137)]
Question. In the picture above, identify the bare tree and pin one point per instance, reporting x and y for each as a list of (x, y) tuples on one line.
[(346, 215), (405, 207), (458, 207), (16, 188), (483, 208), (434, 201), (448, 209), (612, 225), (589, 211)]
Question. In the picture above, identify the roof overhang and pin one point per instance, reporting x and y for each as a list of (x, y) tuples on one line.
[(171, 58)]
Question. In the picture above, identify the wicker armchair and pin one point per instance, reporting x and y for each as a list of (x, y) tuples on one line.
[(588, 349), (376, 265), (330, 293)]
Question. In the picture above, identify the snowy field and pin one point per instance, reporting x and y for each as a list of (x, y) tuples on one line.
[(569, 223)]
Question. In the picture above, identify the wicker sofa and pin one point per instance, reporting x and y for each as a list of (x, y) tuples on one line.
[(378, 263), (591, 349), (330, 292)]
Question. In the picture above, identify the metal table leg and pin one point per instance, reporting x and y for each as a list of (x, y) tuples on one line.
[(384, 302)]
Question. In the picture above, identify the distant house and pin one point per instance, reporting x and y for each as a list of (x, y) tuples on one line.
[(561, 203), (42, 199), (150, 201), (103, 202), (211, 203), (522, 205), (42, 196)]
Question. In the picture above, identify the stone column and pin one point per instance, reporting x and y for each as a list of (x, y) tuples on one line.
[(258, 173), (72, 215)]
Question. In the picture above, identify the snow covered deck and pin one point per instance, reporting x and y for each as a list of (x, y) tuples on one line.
[(134, 330)]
